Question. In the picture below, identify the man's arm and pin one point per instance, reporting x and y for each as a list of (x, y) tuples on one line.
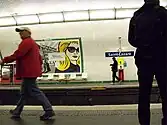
[(111, 64), (131, 35), (165, 15), (22, 50)]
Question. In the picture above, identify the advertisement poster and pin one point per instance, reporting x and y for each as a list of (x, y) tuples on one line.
[(61, 55)]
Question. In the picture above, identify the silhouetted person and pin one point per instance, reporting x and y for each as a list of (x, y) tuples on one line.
[(148, 33), (114, 69)]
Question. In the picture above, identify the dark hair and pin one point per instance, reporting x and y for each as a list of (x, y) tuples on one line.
[(152, 1)]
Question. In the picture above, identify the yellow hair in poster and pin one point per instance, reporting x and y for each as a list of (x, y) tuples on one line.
[(71, 61)]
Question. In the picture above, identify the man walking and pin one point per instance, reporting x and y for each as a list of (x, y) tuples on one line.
[(114, 69), (28, 67), (148, 33)]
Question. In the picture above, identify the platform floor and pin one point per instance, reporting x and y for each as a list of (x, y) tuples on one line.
[(89, 115), (79, 86)]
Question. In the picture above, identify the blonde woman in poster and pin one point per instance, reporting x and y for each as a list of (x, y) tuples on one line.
[(71, 61)]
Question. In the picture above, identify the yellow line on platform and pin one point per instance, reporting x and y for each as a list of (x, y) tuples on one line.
[(75, 87)]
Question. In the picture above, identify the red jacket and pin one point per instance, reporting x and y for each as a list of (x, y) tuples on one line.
[(28, 59)]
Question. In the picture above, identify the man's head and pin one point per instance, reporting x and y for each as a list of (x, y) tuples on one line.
[(24, 32), (114, 58), (152, 1)]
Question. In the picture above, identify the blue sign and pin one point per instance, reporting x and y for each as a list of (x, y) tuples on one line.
[(119, 54)]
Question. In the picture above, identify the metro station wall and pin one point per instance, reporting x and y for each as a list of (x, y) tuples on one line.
[(97, 37)]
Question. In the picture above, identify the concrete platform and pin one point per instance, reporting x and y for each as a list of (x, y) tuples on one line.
[(78, 86), (85, 115)]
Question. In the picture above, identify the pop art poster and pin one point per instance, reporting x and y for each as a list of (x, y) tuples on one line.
[(61, 55)]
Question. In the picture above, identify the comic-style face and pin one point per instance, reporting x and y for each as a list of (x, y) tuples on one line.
[(73, 51)]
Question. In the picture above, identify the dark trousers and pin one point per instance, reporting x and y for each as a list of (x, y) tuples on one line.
[(146, 72), (29, 88), (114, 75)]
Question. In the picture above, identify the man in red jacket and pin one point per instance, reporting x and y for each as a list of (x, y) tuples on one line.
[(28, 67)]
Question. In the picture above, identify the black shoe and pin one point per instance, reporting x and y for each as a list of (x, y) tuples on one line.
[(14, 115), (47, 115)]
